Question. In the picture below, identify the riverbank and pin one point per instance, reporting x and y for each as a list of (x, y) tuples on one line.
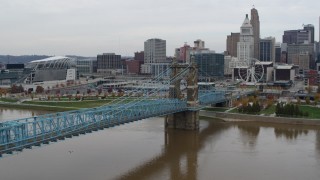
[(268, 119), (59, 105), (36, 107)]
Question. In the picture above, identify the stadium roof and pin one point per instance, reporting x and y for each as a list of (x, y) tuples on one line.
[(55, 62), (54, 58)]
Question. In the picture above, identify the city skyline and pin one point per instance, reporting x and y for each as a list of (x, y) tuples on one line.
[(89, 27)]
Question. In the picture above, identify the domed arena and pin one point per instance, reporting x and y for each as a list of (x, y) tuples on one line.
[(51, 69)]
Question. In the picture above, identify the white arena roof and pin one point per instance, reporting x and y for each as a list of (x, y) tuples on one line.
[(54, 58), (55, 62)]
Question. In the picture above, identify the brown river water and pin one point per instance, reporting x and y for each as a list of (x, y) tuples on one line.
[(145, 150)]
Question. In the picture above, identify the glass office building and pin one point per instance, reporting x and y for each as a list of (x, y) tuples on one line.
[(210, 64)]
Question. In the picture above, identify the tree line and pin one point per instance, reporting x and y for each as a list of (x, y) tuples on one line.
[(290, 110), (250, 108)]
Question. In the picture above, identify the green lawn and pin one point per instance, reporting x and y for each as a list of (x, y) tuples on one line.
[(314, 112), (235, 110), (76, 104), (9, 100), (269, 111)]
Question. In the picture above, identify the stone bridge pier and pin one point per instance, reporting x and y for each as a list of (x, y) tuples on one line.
[(188, 120)]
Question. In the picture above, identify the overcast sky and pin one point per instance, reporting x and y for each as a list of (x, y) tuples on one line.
[(90, 27)]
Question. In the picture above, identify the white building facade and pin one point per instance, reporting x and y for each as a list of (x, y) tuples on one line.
[(154, 52), (246, 43)]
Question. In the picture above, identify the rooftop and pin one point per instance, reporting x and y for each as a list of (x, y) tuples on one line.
[(54, 58)]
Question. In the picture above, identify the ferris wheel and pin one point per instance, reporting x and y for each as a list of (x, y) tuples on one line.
[(251, 70)]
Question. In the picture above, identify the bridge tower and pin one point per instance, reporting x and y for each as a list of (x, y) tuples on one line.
[(188, 120)]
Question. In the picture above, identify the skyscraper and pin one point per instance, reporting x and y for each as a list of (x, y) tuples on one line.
[(232, 41), (267, 49), (154, 51), (310, 28), (255, 22), (246, 43), (300, 36), (277, 48)]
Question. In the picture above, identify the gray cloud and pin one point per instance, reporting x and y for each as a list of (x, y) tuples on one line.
[(89, 27)]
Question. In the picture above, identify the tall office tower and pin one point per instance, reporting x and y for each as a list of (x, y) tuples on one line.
[(232, 41), (255, 22), (267, 49), (299, 36), (310, 28), (246, 43), (154, 51), (277, 48)]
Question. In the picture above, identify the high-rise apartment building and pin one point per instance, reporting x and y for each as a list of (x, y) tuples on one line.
[(154, 51), (267, 49), (246, 43), (255, 22), (232, 41)]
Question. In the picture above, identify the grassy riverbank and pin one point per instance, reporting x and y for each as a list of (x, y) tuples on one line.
[(57, 106), (70, 104), (36, 107), (314, 112), (10, 100)]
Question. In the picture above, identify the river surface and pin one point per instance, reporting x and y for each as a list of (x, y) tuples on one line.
[(144, 150)]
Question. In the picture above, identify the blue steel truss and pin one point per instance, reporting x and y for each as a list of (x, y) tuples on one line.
[(24, 133)]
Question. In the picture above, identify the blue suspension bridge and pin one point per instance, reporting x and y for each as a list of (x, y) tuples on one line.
[(180, 109)]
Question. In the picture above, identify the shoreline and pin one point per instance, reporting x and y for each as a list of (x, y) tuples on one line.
[(36, 107), (234, 117)]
